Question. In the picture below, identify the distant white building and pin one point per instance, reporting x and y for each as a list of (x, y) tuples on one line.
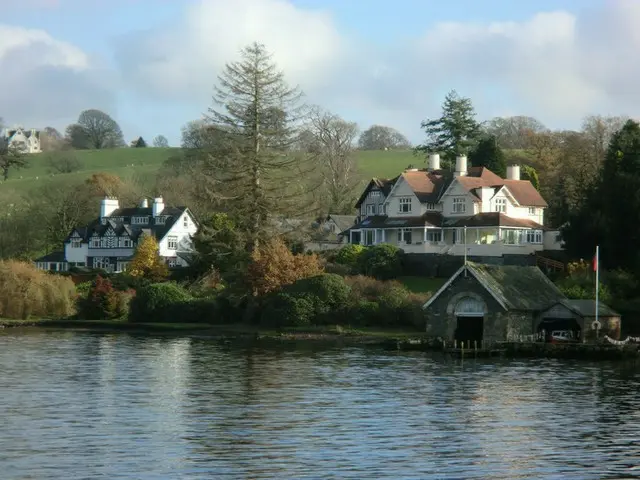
[(23, 140), (109, 242)]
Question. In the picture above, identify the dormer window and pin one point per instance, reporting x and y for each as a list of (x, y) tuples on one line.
[(76, 243), (404, 205), (160, 220), (95, 242), (140, 220), (375, 193), (371, 209), (501, 205), (185, 221)]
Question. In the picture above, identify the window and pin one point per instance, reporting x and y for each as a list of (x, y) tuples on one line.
[(140, 220), (76, 243), (434, 236), (431, 206), (382, 208), (406, 233), (511, 237), (173, 262), (459, 205), (404, 205), (375, 193), (369, 237), (534, 236), (126, 243), (102, 262), (371, 209), (185, 221), (160, 220), (95, 242), (501, 205), (533, 211), (172, 243)]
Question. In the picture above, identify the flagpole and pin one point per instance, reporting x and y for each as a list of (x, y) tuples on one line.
[(597, 279), (465, 250)]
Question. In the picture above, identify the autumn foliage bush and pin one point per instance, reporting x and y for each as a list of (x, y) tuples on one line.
[(27, 292), (273, 265), (104, 302), (147, 262)]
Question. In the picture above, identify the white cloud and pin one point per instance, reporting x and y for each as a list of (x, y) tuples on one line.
[(556, 66), (45, 81)]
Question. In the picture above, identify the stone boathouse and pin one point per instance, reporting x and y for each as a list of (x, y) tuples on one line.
[(491, 303)]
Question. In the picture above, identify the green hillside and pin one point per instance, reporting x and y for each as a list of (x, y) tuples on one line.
[(128, 162)]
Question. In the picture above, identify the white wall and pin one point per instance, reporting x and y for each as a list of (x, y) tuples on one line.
[(550, 240), (456, 190), (402, 189), (183, 234), (76, 255)]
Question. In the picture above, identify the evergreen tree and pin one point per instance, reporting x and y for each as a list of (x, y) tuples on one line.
[(251, 171), (610, 215), (488, 153), (147, 262), (456, 132)]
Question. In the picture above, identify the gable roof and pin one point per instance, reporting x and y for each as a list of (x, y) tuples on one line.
[(343, 222), (513, 287), (522, 190), (427, 186), (383, 184)]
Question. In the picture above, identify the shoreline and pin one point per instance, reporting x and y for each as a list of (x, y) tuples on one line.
[(392, 340)]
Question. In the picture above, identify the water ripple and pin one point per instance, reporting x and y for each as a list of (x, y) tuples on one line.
[(79, 406)]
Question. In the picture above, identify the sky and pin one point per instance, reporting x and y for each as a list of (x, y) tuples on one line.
[(153, 64)]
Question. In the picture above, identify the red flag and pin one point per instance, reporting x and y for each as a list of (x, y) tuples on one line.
[(595, 262)]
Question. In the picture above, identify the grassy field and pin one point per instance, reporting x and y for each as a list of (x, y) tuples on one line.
[(128, 162)]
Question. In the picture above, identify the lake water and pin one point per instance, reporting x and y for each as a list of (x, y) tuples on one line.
[(115, 406)]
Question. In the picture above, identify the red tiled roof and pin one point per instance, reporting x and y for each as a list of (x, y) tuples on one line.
[(522, 190)]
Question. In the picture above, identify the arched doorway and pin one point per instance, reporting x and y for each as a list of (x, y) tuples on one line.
[(469, 313)]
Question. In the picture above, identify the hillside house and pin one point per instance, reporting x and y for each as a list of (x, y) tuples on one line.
[(109, 241), (435, 211), (23, 140)]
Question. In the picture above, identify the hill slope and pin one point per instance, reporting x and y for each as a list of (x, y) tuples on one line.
[(126, 162)]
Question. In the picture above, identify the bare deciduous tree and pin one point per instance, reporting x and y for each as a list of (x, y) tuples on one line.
[(379, 137), (100, 129), (160, 142), (513, 132), (333, 144)]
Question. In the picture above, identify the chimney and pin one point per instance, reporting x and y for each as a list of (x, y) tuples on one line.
[(158, 206), (434, 161), (485, 198), (144, 203), (513, 172), (461, 165), (108, 206)]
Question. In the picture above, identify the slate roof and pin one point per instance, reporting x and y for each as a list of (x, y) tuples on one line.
[(513, 287), (51, 257), (429, 219), (520, 288), (587, 308), (343, 222), (384, 184), (492, 219), (120, 222)]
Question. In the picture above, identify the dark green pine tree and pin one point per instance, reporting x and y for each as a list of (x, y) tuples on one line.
[(610, 214), (456, 132), (488, 153)]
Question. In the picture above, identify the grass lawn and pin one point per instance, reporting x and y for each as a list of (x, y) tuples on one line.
[(422, 284)]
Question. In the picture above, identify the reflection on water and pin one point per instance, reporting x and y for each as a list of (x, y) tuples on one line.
[(79, 405)]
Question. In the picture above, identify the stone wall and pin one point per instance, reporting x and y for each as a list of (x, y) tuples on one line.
[(498, 323)]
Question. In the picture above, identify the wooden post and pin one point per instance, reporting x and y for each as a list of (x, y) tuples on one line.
[(455, 344), (475, 346), (462, 350)]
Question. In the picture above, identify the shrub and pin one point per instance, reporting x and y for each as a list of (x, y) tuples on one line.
[(154, 302), (197, 310), (287, 310), (382, 261), (147, 262), (26, 291), (349, 255), (330, 289), (369, 288), (274, 265), (101, 301)]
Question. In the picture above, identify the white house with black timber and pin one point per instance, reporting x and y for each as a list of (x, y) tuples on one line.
[(109, 241)]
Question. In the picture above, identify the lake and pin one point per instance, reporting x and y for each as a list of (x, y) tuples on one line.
[(81, 405)]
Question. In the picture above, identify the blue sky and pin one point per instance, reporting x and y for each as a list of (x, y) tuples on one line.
[(152, 64)]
